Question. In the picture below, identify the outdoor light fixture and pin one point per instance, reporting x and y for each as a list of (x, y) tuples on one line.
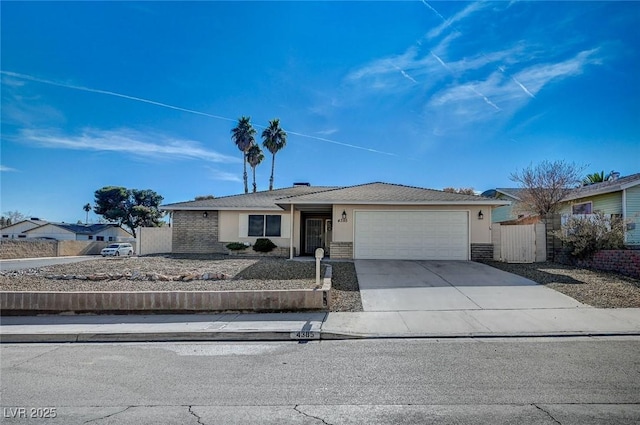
[(344, 216), (204, 214), (480, 215)]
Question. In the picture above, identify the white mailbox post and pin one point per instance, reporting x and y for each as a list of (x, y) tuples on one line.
[(319, 256)]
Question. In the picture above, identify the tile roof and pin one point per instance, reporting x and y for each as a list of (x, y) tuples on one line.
[(371, 193), (264, 200), (79, 229), (385, 193), (604, 187)]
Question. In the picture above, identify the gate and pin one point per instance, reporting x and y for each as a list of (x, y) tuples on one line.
[(518, 243)]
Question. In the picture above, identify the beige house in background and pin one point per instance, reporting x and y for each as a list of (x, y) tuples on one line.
[(369, 221)]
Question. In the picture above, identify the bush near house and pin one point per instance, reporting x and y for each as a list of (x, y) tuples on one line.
[(236, 246), (264, 245), (583, 236)]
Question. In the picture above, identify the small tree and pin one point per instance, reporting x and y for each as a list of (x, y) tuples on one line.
[(86, 208), (204, 197), (546, 185), (584, 235), (129, 207), (254, 158)]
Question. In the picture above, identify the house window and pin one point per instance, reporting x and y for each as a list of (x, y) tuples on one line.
[(265, 225), (5, 236), (110, 238), (22, 236), (584, 208), (90, 237), (100, 238)]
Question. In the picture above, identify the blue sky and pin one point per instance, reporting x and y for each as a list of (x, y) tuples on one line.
[(431, 94)]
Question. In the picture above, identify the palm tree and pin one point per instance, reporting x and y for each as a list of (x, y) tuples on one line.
[(275, 138), (242, 135), (86, 209), (254, 158), (593, 178)]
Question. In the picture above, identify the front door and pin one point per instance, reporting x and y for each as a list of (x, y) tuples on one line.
[(313, 235)]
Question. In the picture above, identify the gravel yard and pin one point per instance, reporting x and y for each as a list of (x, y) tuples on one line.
[(596, 288), (184, 273)]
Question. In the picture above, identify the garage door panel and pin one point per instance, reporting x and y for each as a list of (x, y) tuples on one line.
[(429, 235)]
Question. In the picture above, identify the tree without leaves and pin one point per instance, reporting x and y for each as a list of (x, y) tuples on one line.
[(254, 158), (275, 138), (12, 217), (129, 207), (243, 137), (462, 190), (546, 185)]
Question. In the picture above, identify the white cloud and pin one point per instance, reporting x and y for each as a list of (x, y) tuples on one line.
[(463, 14), (5, 169), (127, 141), (216, 174)]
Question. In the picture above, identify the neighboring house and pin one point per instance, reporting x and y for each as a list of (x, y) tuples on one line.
[(80, 232), (508, 214), (17, 231), (369, 221), (617, 196)]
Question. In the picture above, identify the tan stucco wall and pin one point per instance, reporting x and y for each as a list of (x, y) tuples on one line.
[(229, 225), (480, 229)]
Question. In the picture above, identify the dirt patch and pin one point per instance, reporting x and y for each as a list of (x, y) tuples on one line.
[(240, 274), (596, 288)]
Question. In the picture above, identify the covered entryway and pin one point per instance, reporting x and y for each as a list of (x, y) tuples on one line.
[(411, 235)]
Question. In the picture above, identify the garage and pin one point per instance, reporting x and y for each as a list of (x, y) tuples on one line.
[(411, 235)]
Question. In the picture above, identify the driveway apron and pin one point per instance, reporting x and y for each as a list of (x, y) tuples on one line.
[(396, 285)]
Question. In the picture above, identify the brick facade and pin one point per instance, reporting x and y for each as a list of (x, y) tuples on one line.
[(341, 250), (481, 251), (195, 234), (626, 262)]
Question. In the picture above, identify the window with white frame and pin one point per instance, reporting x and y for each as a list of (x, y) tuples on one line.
[(264, 225), (581, 209)]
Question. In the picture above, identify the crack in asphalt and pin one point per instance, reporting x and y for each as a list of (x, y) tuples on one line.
[(548, 414), (296, 408), (108, 416), (194, 414), (35, 357)]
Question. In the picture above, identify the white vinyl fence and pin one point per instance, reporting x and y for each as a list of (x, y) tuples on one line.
[(524, 243), (153, 240)]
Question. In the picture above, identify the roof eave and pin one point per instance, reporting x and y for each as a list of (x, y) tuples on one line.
[(347, 202)]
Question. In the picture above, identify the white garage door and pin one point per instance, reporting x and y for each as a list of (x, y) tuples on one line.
[(411, 235)]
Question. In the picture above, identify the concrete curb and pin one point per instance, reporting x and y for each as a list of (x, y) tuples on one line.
[(281, 336)]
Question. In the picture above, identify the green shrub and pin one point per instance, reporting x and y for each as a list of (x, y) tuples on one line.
[(236, 246), (585, 235), (264, 245)]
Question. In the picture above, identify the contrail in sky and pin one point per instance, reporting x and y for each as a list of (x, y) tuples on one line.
[(177, 108)]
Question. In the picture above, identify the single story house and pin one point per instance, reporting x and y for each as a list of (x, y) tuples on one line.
[(369, 221), (617, 196), (17, 230), (80, 232)]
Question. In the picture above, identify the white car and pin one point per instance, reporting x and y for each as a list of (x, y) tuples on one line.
[(117, 249)]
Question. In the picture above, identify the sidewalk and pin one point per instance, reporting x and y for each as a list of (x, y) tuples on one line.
[(313, 326)]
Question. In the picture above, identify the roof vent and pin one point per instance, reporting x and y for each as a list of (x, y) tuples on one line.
[(35, 218), (296, 184), (613, 176)]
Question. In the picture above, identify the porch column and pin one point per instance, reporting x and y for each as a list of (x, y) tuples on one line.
[(291, 234)]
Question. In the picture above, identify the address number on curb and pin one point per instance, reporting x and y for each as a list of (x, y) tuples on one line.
[(305, 335)]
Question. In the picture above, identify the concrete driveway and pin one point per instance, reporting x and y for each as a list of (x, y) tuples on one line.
[(393, 285)]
